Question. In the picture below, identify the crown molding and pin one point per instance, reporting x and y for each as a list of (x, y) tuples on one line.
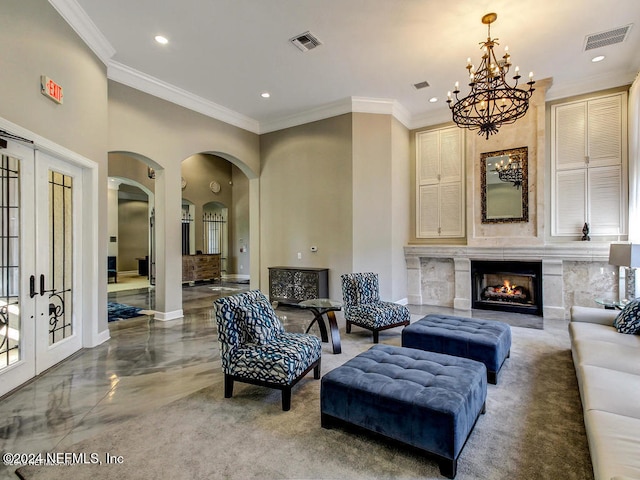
[(435, 117), (328, 110), (590, 84), (141, 81), (346, 105), (384, 106), (78, 19)]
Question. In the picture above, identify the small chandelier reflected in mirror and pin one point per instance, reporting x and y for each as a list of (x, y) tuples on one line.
[(510, 172), (492, 102)]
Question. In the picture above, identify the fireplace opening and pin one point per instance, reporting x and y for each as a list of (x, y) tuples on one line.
[(507, 286)]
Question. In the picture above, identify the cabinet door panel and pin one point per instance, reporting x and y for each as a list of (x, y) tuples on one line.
[(570, 136), (571, 202), (450, 212), (605, 131), (450, 155), (428, 157), (605, 202), (428, 220)]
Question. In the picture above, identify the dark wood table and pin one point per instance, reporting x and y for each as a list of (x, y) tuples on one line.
[(321, 307)]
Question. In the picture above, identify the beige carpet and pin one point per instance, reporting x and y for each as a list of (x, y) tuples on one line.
[(533, 429)]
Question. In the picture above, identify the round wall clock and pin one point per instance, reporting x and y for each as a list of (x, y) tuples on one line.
[(214, 186)]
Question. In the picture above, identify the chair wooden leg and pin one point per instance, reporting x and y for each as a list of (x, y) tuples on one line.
[(348, 329), (286, 399), (376, 335), (316, 371), (228, 386)]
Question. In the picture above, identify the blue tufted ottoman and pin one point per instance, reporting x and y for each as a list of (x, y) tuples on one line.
[(486, 341), (428, 400)]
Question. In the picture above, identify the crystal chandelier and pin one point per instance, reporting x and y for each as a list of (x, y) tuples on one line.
[(492, 102), (510, 171)]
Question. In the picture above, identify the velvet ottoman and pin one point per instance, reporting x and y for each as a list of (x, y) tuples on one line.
[(486, 341), (427, 400)]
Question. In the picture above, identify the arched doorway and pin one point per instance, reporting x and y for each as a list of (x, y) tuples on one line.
[(131, 237), (218, 191)]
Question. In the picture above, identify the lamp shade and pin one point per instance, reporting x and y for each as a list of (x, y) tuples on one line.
[(624, 254)]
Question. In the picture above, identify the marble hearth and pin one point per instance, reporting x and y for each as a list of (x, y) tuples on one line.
[(572, 274)]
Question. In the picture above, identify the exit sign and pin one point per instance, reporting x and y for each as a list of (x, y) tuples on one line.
[(50, 89)]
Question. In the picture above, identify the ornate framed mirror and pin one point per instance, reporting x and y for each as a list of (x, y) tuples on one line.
[(504, 186)]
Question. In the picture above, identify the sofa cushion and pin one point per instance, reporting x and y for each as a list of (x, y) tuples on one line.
[(610, 391), (628, 320), (607, 355), (592, 331), (258, 323), (614, 443)]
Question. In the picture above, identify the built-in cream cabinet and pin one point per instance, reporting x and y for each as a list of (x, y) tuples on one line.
[(589, 166), (439, 183)]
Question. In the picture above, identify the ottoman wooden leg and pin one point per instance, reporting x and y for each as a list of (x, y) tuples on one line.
[(448, 468)]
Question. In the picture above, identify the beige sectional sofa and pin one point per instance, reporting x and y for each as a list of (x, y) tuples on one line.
[(608, 369)]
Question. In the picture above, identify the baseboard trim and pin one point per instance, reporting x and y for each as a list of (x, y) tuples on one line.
[(167, 316)]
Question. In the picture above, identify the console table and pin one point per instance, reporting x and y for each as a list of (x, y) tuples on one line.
[(200, 267), (291, 285)]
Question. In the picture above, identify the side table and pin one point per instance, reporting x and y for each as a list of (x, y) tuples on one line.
[(321, 307), (609, 304)]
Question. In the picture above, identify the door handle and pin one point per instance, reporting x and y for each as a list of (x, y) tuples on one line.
[(32, 286), (42, 290)]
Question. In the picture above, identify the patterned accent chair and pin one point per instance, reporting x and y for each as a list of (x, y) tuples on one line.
[(254, 348), (363, 307)]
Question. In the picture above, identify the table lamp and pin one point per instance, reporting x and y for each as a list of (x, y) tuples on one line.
[(627, 255)]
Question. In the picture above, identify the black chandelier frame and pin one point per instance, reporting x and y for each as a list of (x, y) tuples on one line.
[(492, 102)]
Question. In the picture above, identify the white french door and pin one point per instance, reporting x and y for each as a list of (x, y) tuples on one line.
[(40, 218)]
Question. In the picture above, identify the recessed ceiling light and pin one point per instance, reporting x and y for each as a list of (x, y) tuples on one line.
[(265, 95), (161, 40), (433, 99), (599, 58)]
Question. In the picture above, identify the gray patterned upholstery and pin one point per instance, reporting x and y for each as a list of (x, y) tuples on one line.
[(254, 348), (363, 307)]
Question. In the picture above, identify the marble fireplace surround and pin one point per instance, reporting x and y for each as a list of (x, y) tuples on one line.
[(441, 274)]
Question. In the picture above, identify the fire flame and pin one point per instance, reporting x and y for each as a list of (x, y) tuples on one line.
[(508, 288)]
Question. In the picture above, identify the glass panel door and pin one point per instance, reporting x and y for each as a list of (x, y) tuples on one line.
[(40, 212), (17, 314), (58, 329)]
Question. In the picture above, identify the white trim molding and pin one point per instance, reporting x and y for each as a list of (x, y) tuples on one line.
[(131, 77), (78, 19)]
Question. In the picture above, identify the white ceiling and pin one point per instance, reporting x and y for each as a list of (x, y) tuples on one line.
[(224, 53)]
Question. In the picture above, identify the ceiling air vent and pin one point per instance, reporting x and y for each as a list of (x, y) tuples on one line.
[(610, 37), (421, 85), (305, 41)]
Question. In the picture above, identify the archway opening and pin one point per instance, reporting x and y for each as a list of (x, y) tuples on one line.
[(219, 193)]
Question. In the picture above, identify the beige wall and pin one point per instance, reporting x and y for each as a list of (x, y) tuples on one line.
[(400, 188), (125, 166), (381, 200), (133, 233), (163, 135), (37, 41), (239, 231), (306, 198)]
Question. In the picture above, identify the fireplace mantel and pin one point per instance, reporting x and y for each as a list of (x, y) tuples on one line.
[(576, 251), (453, 263)]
